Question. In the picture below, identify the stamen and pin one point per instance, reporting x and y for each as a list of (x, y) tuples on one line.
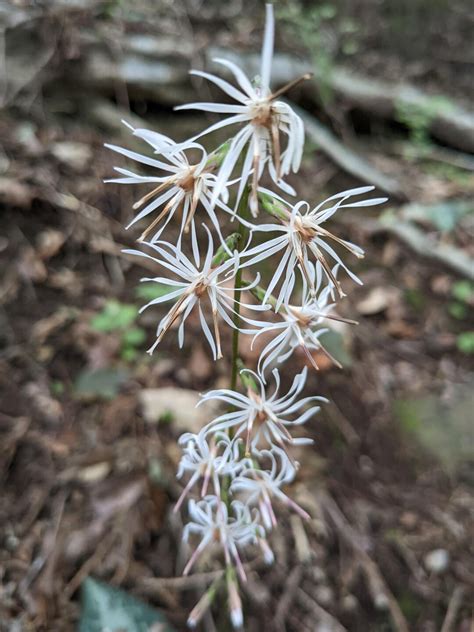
[(254, 191), (327, 268), (276, 148), (173, 315), (158, 219), (291, 84), (326, 233), (149, 195), (192, 210)]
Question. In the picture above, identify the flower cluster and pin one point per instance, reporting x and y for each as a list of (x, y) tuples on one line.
[(237, 467)]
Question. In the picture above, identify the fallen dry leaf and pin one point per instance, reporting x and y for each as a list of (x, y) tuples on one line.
[(378, 300), (49, 243), (31, 267), (178, 403)]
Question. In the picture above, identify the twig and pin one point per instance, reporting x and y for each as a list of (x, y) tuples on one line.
[(453, 608), (345, 428), (318, 611), (302, 546), (377, 585), (89, 565), (151, 584), (284, 605)]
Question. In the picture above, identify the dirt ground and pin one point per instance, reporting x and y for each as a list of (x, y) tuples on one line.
[(87, 465)]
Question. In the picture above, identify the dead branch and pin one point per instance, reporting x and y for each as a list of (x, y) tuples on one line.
[(319, 612), (376, 583), (447, 120), (344, 157), (453, 608)]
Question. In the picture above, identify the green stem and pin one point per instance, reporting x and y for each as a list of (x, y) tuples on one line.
[(242, 211)]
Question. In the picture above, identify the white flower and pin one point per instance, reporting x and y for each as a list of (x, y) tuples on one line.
[(264, 417), (209, 518), (209, 462), (265, 119), (196, 282), (260, 486), (300, 326), (183, 188), (303, 236)]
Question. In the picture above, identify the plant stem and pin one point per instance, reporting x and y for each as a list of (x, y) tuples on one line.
[(242, 211)]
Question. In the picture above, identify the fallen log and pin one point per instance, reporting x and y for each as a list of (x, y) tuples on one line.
[(401, 224), (447, 121), (345, 158), (154, 65)]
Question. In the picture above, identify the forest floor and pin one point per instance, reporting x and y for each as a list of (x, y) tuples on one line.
[(89, 422)]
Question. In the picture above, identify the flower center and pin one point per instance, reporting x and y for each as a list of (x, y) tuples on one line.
[(187, 179), (306, 231), (201, 287), (261, 113), (302, 319)]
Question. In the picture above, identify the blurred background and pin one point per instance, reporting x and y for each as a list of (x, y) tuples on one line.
[(88, 421)]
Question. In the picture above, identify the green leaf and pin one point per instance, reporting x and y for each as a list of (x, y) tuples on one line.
[(129, 354), (114, 316), (104, 607), (103, 383), (440, 428), (443, 216), (133, 337), (57, 388), (151, 290), (415, 298), (463, 291), (457, 310), (166, 417), (334, 342), (465, 342)]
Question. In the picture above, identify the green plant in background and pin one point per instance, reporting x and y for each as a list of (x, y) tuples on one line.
[(443, 170), (418, 118), (308, 25), (441, 428), (463, 295), (465, 342), (151, 290), (120, 318)]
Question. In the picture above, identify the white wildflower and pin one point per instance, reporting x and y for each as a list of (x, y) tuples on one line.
[(198, 282), (264, 118), (180, 191), (207, 460), (261, 486), (303, 237), (261, 417), (300, 326), (210, 519)]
